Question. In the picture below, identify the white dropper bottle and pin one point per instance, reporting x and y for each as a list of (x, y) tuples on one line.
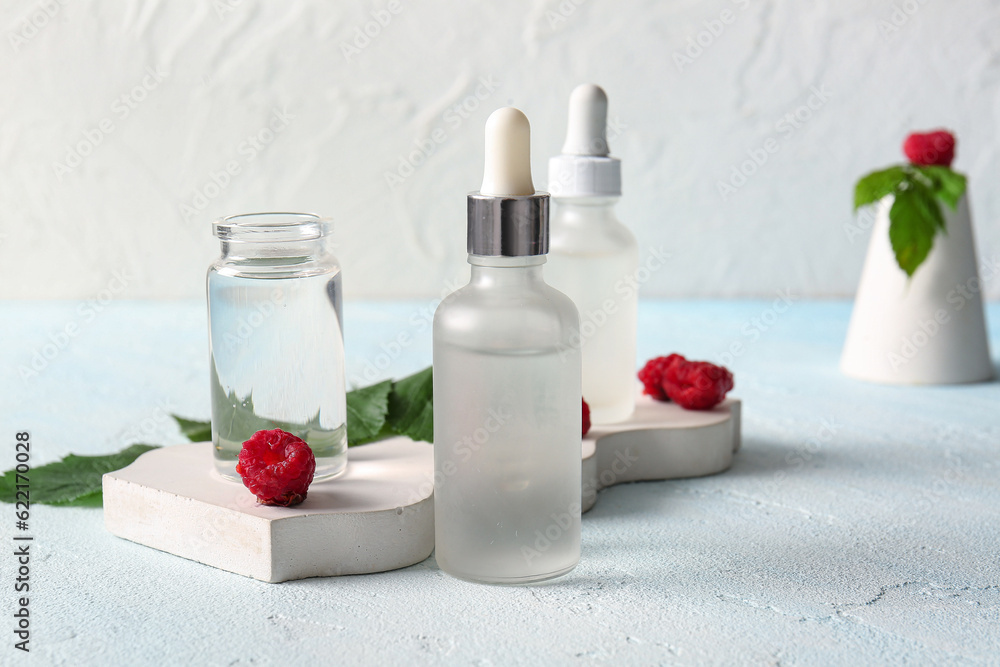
[(507, 409), (594, 257)]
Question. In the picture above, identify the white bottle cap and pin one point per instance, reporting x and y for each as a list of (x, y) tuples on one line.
[(584, 169), (507, 170)]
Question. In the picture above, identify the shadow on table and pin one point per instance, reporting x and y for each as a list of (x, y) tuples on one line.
[(768, 459), (429, 568), (761, 467)]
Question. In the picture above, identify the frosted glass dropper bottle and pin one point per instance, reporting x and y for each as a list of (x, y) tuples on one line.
[(507, 413), (594, 257)]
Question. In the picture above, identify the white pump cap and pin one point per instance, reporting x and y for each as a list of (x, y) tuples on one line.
[(508, 161), (584, 169)]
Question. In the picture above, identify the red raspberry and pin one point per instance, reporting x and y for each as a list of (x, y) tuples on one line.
[(277, 467), (651, 376), (586, 418), (936, 147), (696, 385)]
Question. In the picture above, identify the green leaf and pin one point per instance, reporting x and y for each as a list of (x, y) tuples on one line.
[(74, 481), (95, 499), (195, 431), (947, 185), (878, 184), (380, 411), (377, 412), (411, 406), (366, 412), (238, 419), (914, 219)]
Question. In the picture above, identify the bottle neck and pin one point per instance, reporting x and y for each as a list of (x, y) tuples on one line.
[(293, 251), (586, 210), (273, 239), (492, 272)]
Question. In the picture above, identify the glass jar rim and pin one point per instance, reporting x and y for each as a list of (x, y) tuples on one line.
[(271, 227)]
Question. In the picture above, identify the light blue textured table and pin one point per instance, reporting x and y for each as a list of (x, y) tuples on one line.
[(859, 523)]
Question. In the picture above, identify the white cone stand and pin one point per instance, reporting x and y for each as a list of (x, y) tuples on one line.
[(378, 515), (928, 329)]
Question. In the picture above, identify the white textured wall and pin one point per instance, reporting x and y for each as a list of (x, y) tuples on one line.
[(224, 68)]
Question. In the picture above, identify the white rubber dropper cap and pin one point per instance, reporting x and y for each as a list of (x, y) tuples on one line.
[(508, 155), (507, 218), (584, 168), (586, 132)]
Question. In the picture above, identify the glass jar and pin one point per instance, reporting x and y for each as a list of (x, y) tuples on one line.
[(276, 337)]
